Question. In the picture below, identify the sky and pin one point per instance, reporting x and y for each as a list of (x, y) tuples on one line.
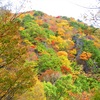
[(69, 8)]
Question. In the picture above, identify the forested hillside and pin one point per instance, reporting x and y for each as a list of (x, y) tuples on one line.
[(48, 58)]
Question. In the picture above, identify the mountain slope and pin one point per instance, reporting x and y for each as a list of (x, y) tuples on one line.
[(67, 53), (48, 58)]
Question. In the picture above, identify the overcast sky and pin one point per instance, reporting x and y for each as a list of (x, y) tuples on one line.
[(69, 8)]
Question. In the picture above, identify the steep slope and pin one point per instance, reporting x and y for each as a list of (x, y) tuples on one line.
[(66, 53)]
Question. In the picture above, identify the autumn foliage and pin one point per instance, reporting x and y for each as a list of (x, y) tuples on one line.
[(85, 55), (50, 76), (65, 69), (48, 58), (62, 53)]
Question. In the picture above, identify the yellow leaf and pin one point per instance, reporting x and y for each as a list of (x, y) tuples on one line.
[(21, 28), (1, 60)]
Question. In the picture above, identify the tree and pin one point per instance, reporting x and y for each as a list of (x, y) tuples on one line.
[(16, 75), (50, 76), (60, 90), (34, 93), (48, 61), (93, 14)]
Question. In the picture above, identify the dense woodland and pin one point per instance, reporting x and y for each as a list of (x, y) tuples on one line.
[(48, 58)]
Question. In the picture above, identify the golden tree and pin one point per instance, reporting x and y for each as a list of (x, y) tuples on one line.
[(16, 76)]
